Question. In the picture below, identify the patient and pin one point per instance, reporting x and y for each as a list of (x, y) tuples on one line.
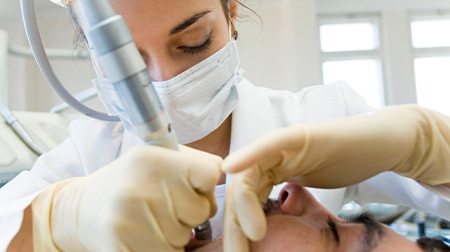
[(297, 222)]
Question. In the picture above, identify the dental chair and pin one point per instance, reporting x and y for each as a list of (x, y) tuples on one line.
[(43, 130), (26, 135)]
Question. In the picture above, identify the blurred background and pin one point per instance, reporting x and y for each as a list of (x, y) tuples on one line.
[(390, 51)]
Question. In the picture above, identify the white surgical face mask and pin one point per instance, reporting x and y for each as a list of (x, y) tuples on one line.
[(198, 100)]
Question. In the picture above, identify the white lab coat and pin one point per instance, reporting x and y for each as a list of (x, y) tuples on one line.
[(93, 144)]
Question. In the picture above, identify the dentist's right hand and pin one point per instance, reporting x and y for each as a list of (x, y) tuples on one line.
[(147, 200)]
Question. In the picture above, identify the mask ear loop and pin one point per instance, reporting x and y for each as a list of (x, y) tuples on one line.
[(232, 35), (230, 31)]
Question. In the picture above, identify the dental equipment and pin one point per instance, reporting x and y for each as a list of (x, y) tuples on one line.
[(20, 131), (61, 54), (114, 49)]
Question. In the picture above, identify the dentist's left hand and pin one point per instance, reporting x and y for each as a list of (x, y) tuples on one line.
[(411, 141), (149, 199)]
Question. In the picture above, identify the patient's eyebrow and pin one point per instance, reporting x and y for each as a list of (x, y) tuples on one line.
[(373, 231)]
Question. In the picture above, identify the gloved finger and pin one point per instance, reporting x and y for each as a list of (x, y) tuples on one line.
[(264, 193), (266, 151), (211, 196), (209, 193), (261, 182), (143, 228), (186, 149), (202, 173), (200, 168), (190, 207), (248, 208), (164, 219), (234, 238)]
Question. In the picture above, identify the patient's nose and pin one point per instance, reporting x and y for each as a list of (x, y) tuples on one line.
[(297, 200), (292, 199)]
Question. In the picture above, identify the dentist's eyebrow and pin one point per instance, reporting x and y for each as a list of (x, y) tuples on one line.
[(188, 22)]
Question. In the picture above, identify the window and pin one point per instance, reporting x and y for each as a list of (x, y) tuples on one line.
[(341, 37), (351, 53), (431, 42), (430, 33), (433, 83), (362, 75)]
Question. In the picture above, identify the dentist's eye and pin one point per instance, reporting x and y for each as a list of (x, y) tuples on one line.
[(197, 49)]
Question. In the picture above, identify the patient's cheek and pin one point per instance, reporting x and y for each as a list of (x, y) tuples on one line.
[(288, 233)]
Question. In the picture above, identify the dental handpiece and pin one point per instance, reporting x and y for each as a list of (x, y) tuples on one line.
[(122, 63)]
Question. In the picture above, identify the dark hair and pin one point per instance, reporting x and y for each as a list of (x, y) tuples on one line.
[(79, 39), (225, 7), (432, 245)]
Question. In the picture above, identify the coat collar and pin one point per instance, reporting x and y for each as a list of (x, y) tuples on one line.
[(252, 117)]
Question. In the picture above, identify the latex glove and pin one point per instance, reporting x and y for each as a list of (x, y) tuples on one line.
[(147, 200), (409, 140)]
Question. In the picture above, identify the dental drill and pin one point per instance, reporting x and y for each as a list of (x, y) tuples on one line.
[(115, 51), (120, 60)]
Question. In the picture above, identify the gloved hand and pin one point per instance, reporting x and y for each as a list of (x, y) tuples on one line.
[(149, 199), (409, 140)]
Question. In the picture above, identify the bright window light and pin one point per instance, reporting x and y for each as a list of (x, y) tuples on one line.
[(364, 76), (348, 37), (430, 33), (433, 83)]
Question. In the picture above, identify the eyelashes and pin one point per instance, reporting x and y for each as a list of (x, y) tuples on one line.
[(194, 50), (188, 50)]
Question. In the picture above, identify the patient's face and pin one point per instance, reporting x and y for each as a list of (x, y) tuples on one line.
[(297, 222)]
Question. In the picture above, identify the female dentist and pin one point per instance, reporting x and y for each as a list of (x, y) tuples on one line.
[(102, 190)]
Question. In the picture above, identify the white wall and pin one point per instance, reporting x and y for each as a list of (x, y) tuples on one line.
[(27, 89), (281, 53)]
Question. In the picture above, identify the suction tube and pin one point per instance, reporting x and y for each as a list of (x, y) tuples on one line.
[(34, 38)]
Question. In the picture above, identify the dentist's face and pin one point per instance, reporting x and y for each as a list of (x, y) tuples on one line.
[(173, 35)]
